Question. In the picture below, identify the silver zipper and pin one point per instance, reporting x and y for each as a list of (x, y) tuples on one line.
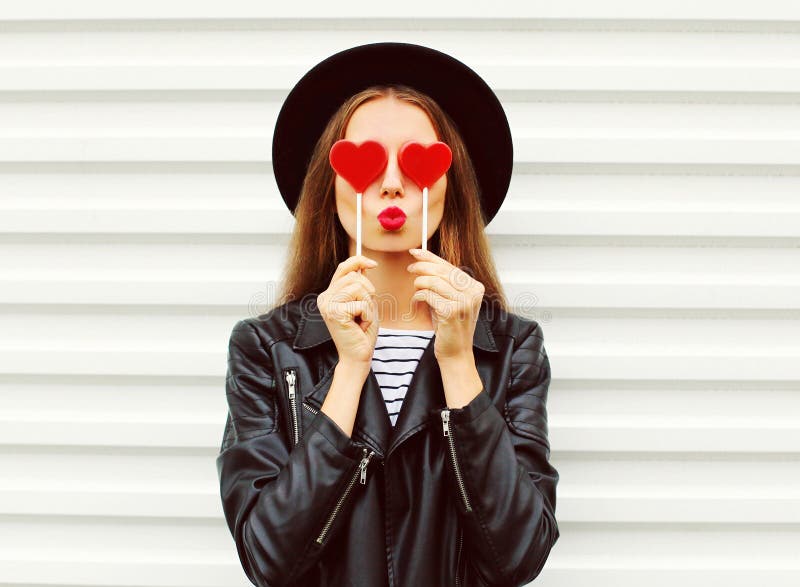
[(362, 470), (291, 379), (446, 426), (310, 409)]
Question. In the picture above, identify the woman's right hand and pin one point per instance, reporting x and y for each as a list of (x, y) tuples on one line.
[(351, 294)]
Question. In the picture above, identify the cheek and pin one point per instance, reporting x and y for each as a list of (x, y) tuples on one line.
[(436, 197), (344, 202)]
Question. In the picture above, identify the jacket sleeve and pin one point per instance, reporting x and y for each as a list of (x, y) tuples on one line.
[(510, 486), (275, 500)]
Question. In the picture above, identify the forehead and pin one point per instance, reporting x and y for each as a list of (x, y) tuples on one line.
[(390, 120)]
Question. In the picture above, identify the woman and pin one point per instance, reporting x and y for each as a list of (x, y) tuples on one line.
[(436, 474)]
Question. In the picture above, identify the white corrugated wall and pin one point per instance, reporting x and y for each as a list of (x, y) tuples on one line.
[(652, 227)]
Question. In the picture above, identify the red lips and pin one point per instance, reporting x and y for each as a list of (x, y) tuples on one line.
[(392, 218)]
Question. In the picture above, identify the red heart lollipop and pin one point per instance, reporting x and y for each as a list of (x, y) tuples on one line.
[(360, 164), (424, 165)]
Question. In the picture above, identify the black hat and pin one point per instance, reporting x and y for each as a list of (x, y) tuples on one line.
[(461, 92)]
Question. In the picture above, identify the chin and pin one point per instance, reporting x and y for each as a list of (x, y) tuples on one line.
[(391, 241)]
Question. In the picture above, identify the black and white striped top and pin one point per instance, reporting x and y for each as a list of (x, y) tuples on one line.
[(396, 356)]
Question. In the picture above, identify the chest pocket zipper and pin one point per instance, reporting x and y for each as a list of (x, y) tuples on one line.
[(290, 376), (448, 433)]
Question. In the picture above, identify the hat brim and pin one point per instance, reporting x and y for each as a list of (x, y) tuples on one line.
[(462, 93)]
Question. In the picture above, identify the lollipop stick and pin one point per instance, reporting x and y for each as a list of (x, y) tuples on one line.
[(358, 225), (424, 219)]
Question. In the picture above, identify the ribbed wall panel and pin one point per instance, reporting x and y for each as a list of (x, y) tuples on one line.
[(652, 227)]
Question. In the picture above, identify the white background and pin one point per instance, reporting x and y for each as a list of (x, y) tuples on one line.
[(652, 227)]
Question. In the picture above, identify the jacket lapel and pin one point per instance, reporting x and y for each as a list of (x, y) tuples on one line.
[(424, 397)]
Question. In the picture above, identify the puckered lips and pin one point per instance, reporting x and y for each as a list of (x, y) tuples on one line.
[(392, 218)]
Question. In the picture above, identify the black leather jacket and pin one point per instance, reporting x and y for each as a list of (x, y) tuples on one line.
[(447, 497)]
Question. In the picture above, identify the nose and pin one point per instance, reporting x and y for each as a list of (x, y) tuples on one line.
[(392, 184)]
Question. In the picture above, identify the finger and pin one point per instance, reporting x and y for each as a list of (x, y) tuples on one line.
[(350, 284), (431, 268), (344, 312), (426, 255), (352, 291), (446, 270), (353, 263), (438, 285), (367, 282), (355, 277), (366, 311), (458, 279), (368, 315), (439, 305)]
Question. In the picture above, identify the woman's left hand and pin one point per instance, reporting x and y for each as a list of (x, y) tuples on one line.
[(455, 301)]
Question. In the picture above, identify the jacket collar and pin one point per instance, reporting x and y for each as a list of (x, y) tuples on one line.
[(424, 397)]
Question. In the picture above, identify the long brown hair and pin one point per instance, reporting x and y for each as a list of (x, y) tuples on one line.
[(319, 242)]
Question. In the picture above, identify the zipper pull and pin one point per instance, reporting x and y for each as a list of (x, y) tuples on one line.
[(364, 463), (290, 379), (446, 422)]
